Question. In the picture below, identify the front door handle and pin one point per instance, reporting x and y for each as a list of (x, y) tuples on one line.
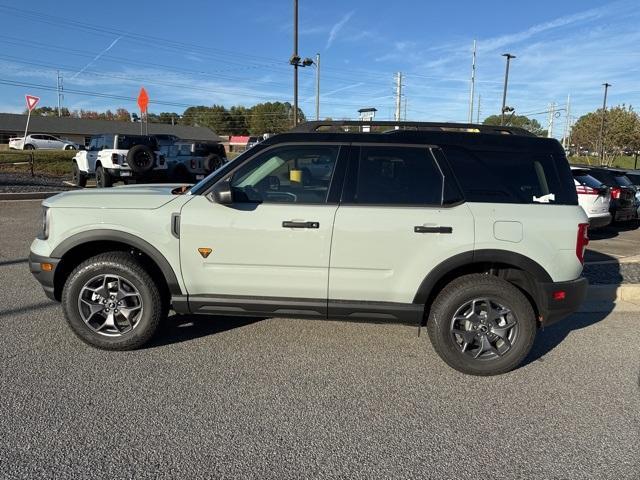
[(423, 229), (291, 224)]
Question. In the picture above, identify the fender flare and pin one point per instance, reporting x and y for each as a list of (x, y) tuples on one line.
[(479, 256), (126, 238)]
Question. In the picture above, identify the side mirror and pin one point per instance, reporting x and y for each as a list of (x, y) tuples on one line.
[(222, 194)]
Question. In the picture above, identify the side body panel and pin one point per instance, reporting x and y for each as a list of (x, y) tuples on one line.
[(378, 256), (252, 254), (547, 234)]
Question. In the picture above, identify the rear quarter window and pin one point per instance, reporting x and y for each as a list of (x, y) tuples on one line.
[(512, 176)]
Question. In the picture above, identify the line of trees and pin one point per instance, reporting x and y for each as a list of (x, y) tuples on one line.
[(269, 117)]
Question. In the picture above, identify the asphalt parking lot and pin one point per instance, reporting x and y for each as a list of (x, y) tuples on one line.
[(225, 398)]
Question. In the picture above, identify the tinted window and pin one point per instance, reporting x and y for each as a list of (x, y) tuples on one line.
[(634, 177), (512, 177), (286, 175), (395, 176), (587, 180), (611, 178), (623, 180), (126, 142)]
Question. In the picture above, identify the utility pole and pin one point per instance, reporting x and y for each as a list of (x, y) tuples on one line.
[(552, 114), (398, 95), (473, 82), (567, 125), (478, 118), (604, 112), (506, 82), (59, 90), (317, 86), (405, 109), (295, 65)]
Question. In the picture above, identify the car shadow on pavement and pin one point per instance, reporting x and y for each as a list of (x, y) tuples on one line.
[(612, 231), (607, 274), (182, 328)]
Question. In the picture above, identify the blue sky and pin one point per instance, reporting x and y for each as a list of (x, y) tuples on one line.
[(230, 53)]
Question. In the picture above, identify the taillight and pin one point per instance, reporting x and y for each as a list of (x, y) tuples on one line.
[(115, 158), (194, 164), (583, 241), (584, 190), (615, 192)]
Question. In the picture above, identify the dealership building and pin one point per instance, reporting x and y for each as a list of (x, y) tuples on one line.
[(79, 130)]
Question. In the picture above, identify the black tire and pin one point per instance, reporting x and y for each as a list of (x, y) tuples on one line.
[(79, 178), (69, 147), (140, 159), (103, 178), (151, 312), (28, 146), (449, 345), (212, 163)]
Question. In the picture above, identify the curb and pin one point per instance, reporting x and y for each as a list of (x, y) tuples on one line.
[(28, 195), (626, 292)]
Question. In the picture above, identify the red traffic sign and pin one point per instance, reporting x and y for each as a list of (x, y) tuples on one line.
[(32, 101), (143, 100)]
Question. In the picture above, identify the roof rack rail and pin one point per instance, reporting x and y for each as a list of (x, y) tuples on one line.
[(346, 126)]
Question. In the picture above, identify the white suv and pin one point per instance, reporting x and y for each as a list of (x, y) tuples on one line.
[(116, 157), (474, 230)]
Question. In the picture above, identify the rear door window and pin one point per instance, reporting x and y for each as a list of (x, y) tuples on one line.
[(391, 175), (512, 177)]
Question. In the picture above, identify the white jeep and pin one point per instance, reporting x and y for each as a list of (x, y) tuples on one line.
[(113, 157), (472, 230)]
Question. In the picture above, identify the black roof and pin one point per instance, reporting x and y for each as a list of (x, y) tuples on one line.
[(449, 135), (390, 126), (11, 122)]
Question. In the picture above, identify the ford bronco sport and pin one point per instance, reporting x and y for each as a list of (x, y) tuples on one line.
[(111, 158), (472, 230)]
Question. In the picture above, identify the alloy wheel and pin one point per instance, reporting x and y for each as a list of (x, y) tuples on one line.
[(110, 305), (484, 329)]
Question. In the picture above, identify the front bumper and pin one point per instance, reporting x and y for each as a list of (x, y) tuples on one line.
[(552, 310), (46, 278)]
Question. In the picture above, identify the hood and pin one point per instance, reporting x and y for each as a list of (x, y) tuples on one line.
[(139, 197)]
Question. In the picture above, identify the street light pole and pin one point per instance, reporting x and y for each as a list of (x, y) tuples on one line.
[(295, 65), (604, 112), (317, 86), (506, 81)]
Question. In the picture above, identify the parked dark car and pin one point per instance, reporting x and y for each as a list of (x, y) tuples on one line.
[(623, 192)]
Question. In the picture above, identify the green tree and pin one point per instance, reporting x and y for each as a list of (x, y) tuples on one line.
[(272, 117), (49, 112), (239, 120), (216, 117), (622, 132), (521, 121)]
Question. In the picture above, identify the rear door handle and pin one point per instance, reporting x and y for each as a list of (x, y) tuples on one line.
[(291, 224), (423, 229)]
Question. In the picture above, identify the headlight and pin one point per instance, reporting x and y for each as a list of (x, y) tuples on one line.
[(44, 231)]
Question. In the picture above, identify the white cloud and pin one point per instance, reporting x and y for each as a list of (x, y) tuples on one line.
[(333, 33)]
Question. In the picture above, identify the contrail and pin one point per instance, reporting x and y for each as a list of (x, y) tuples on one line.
[(97, 57)]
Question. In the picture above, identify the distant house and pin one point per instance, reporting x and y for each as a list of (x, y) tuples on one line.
[(80, 129), (238, 143)]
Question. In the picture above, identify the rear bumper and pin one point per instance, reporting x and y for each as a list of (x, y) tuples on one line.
[(44, 277), (552, 310), (599, 221)]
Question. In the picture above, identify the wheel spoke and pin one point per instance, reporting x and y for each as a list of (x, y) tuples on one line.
[(93, 309)]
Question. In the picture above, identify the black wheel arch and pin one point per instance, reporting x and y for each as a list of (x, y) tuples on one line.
[(83, 245), (518, 269)]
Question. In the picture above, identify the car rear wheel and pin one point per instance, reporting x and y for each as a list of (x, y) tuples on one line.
[(79, 178), (69, 147), (29, 147), (103, 178), (482, 325), (112, 303)]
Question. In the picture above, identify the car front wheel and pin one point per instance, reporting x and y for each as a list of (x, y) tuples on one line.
[(112, 303), (482, 325), (103, 178)]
